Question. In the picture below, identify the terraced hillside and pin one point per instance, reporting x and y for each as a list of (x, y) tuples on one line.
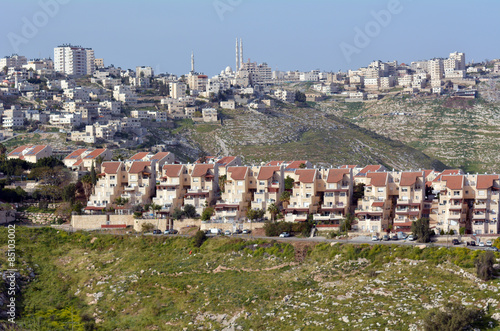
[(103, 282), (288, 132), (460, 133)]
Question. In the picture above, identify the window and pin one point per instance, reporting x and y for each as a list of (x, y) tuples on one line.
[(342, 194), (239, 183), (112, 177), (196, 180), (455, 193), (380, 189), (261, 183), (133, 177), (481, 193)]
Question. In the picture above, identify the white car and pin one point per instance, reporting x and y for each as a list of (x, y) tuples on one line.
[(481, 244), (227, 233), (411, 237), (284, 235), (489, 243), (374, 238)]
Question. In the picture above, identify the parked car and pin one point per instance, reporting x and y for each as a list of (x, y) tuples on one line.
[(394, 237), (481, 244), (237, 231), (385, 237), (472, 243), (411, 237), (455, 242), (489, 243), (172, 231), (227, 233), (493, 248), (284, 235), (374, 238), (246, 231), (156, 231)]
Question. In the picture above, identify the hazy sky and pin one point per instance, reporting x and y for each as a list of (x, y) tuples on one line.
[(287, 34)]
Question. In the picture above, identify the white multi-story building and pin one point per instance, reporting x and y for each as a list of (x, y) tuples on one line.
[(436, 69), (14, 61), (74, 60)]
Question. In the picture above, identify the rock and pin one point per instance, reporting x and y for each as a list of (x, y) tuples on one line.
[(345, 319), (287, 298)]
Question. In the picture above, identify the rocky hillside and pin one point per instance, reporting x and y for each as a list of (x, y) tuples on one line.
[(288, 132)]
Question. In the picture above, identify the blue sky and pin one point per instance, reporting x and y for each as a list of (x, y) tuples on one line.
[(288, 35)]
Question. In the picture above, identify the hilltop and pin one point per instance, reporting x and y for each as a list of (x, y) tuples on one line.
[(85, 280)]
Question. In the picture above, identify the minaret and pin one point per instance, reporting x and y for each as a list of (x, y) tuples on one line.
[(192, 61), (237, 57), (241, 53)]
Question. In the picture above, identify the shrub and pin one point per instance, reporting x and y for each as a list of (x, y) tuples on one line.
[(146, 227), (453, 317), (484, 265), (199, 238)]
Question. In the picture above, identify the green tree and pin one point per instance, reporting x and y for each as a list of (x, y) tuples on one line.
[(154, 207), (421, 229), (453, 316), (121, 201), (222, 183), (289, 183), (199, 238), (68, 193), (273, 210), (146, 227), (207, 213), (285, 196), (346, 223), (255, 214), (302, 166), (484, 265), (190, 211), (93, 175), (300, 97), (177, 214)]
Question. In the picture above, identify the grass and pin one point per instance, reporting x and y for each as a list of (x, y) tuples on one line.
[(145, 282)]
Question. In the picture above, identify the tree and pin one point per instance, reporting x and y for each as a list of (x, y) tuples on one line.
[(273, 210), (300, 97), (93, 175), (289, 183), (154, 207), (255, 214), (146, 227), (68, 193), (177, 214), (199, 238), (222, 183), (484, 265), (121, 201), (190, 211), (346, 223), (421, 229), (3, 150), (302, 166), (453, 316), (285, 196), (207, 213), (49, 162)]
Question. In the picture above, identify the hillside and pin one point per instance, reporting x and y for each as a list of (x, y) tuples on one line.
[(460, 133), (84, 281), (305, 133)]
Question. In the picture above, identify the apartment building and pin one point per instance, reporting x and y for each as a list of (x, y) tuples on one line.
[(160, 158), (485, 211), (12, 118), (235, 195), (337, 188), (171, 188), (374, 210), (110, 185), (409, 187), (304, 199), (141, 180), (267, 187), (177, 90), (209, 115), (30, 153), (204, 185), (452, 209), (436, 69), (124, 94), (74, 60), (284, 95)]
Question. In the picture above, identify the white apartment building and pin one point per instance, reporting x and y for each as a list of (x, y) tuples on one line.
[(209, 115), (110, 185), (144, 72), (436, 69), (177, 90), (284, 95), (74, 60), (124, 94), (14, 61)]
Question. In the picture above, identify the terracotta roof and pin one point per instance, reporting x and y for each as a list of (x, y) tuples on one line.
[(75, 154), (336, 175), (409, 178), (485, 181), (378, 204), (36, 149), (18, 150), (77, 163), (447, 172), (427, 172), (226, 160), (377, 178), (172, 170), (295, 164), (306, 175), (267, 172), (370, 168), (454, 182), (347, 166), (95, 153), (139, 156), (110, 167), (275, 163), (160, 155), (201, 169), (238, 173), (138, 166)]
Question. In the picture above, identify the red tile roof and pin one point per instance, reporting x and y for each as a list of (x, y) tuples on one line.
[(409, 178), (35, 149), (95, 153), (371, 168), (139, 156), (75, 154), (267, 172), (306, 175), (18, 150), (377, 178), (201, 169), (173, 170), (138, 166), (77, 163), (159, 156), (346, 166), (485, 181), (454, 182), (336, 175), (448, 172), (226, 160), (110, 167), (238, 173), (274, 163), (295, 164), (378, 204)]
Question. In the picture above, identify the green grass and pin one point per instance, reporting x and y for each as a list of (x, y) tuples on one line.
[(144, 282)]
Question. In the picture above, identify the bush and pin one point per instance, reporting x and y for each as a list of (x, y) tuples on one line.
[(484, 265), (454, 317), (199, 238), (420, 228), (146, 227)]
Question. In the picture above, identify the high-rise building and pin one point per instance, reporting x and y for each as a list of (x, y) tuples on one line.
[(74, 60), (460, 58), (14, 61)]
